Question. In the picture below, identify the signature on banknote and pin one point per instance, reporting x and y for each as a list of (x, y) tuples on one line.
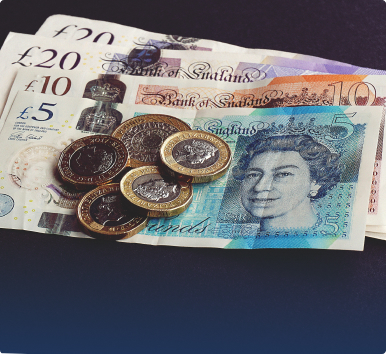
[(24, 136)]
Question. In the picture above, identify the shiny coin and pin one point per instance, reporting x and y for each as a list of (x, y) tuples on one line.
[(92, 161), (105, 213), (144, 135), (160, 196), (196, 156)]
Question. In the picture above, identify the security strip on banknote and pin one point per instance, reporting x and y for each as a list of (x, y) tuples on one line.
[(300, 177)]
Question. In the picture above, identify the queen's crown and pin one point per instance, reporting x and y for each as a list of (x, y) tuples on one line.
[(106, 92), (99, 120)]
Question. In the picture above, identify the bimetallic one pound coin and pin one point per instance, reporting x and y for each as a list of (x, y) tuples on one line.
[(157, 195), (196, 156), (92, 161), (144, 135), (105, 213)]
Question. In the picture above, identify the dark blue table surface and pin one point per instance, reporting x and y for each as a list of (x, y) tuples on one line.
[(67, 295)]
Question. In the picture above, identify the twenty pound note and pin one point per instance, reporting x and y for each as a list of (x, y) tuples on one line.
[(300, 177), (27, 51), (85, 30)]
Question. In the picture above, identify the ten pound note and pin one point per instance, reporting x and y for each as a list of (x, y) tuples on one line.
[(300, 177)]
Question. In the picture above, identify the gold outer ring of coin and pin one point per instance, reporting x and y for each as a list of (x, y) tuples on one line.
[(154, 209), (97, 230), (199, 175), (129, 124), (82, 182)]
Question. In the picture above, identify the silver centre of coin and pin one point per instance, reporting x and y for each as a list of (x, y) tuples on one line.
[(153, 188), (195, 153)]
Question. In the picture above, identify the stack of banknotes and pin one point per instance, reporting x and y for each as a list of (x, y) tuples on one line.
[(306, 133)]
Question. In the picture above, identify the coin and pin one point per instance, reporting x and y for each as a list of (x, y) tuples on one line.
[(105, 213), (157, 194), (92, 160), (144, 135), (196, 156)]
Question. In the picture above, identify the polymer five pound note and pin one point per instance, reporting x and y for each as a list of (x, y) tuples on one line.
[(300, 176)]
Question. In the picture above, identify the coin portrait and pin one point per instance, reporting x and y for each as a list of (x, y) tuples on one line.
[(104, 212), (195, 153), (196, 156), (109, 210), (157, 194), (154, 188), (92, 160)]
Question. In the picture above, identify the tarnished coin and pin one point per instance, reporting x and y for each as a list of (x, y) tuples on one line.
[(144, 135), (160, 195), (105, 213), (92, 161), (196, 156)]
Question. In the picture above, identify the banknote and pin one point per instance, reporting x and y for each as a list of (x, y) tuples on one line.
[(278, 92), (310, 90), (216, 66), (83, 29), (217, 90), (376, 228), (69, 82), (295, 180), (335, 68), (378, 235), (249, 200), (21, 50)]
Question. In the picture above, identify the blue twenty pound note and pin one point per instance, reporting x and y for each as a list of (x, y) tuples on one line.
[(299, 178)]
